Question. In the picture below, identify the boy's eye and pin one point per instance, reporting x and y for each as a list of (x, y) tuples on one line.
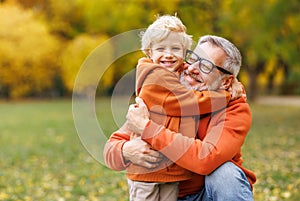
[(160, 49)]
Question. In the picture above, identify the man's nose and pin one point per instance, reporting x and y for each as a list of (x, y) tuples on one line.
[(194, 68)]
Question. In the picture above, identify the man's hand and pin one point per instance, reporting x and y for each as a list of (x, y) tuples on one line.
[(139, 153), (137, 116)]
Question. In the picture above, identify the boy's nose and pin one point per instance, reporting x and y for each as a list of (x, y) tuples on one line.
[(168, 53)]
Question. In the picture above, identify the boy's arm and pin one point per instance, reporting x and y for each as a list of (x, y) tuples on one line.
[(163, 93)]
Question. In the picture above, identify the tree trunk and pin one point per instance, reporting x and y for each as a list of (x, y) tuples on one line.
[(270, 84), (252, 91)]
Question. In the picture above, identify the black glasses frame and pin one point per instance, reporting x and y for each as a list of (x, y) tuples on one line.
[(202, 59)]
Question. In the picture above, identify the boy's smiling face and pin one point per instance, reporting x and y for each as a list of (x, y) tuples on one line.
[(168, 52)]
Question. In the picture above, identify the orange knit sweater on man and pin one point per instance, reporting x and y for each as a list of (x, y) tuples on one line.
[(220, 138)]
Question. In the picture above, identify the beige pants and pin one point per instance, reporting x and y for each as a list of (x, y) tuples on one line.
[(147, 191)]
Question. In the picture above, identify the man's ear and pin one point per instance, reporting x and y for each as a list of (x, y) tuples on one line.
[(227, 82)]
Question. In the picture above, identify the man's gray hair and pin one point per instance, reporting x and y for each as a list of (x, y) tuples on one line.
[(233, 60)]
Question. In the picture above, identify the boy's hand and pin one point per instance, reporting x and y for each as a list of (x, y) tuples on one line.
[(236, 90), (185, 65), (178, 66)]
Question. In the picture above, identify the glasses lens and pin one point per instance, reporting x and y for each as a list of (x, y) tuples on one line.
[(206, 66), (190, 57)]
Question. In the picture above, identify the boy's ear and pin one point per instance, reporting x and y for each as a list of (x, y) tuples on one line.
[(148, 53), (227, 82)]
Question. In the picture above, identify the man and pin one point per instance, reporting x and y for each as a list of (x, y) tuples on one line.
[(214, 156)]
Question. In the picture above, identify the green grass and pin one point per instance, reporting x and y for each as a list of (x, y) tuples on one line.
[(42, 158), (272, 150)]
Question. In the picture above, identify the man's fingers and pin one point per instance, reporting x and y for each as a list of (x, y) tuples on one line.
[(154, 153), (151, 159), (131, 106), (146, 161), (151, 155), (150, 165), (151, 162), (140, 102)]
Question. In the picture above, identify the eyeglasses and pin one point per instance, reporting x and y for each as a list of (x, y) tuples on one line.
[(205, 65)]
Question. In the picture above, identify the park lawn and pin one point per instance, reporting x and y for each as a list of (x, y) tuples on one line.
[(272, 150), (42, 158)]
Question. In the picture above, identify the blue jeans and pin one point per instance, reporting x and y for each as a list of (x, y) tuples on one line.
[(226, 183)]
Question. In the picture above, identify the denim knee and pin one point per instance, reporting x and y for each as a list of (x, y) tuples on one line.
[(225, 173), (228, 182)]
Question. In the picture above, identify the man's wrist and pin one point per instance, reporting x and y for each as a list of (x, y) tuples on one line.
[(144, 123), (125, 153)]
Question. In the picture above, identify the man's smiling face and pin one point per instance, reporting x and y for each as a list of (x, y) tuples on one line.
[(203, 81)]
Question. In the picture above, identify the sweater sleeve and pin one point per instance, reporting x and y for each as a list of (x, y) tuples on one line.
[(225, 136), (113, 149), (163, 93)]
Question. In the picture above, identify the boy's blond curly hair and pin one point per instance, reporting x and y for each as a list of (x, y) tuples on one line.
[(160, 29)]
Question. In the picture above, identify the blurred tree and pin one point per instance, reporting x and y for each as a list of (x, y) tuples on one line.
[(36, 5), (117, 16), (201, 17), (267, 33), (74, 56), (65, 18), (28, 53)]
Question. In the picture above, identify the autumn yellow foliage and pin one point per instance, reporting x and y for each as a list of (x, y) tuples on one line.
[(43, 44), (74, 55), (27, 50)]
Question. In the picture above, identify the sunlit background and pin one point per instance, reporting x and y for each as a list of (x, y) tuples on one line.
[(43, 44)]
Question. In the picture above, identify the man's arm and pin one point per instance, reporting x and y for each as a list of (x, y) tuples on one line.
[(113, 155), (120, 151), (225, 136)]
